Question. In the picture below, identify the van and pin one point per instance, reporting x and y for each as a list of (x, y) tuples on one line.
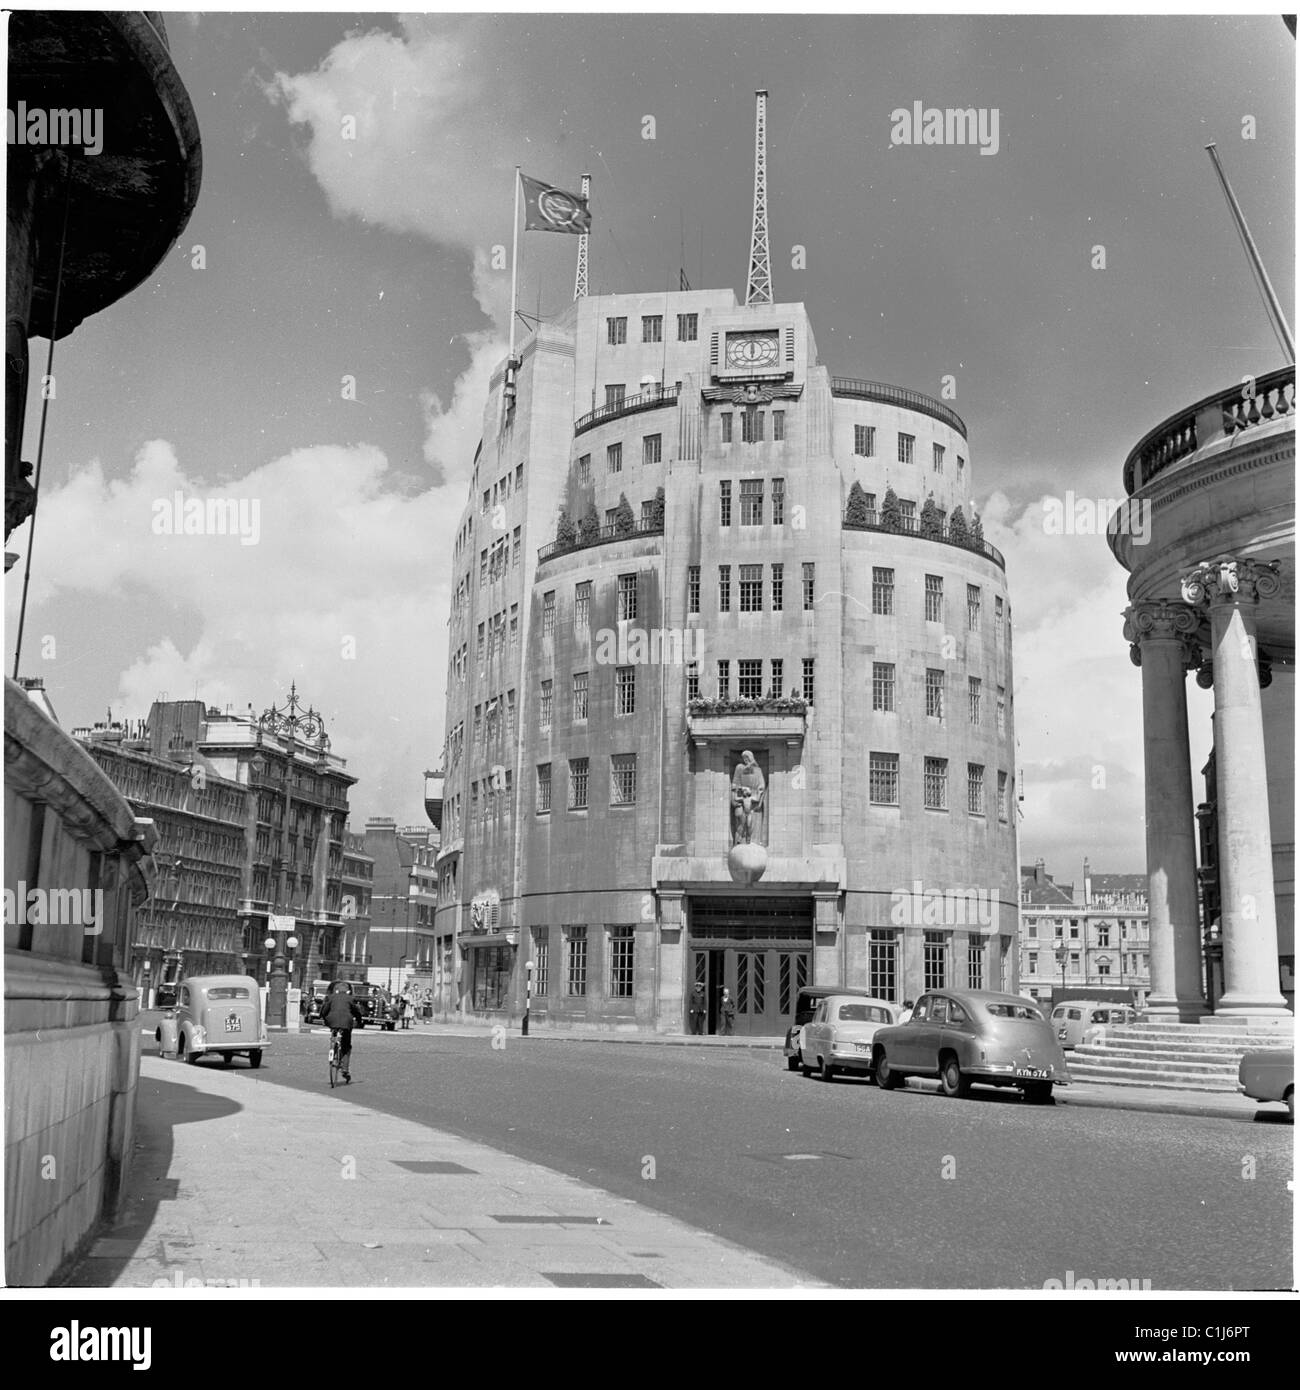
[(1075, 1017), (805, 1006)]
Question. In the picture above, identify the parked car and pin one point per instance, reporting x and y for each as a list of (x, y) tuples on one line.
[(1073, 1019), (165, 998), (805, 1006), (838, 1036), (1269, 1075), (221, 1014), (964, 1036)]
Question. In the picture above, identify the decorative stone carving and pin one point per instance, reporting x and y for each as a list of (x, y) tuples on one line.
[(752, 393), (1160, 620), (1225, 581), (748, 791)]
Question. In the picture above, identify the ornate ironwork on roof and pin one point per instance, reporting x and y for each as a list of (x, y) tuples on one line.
[(295, 723)]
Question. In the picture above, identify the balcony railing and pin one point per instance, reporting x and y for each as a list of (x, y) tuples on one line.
[(603, 537), (1223, 415), (897, 395), (910, 526), (650, 399)]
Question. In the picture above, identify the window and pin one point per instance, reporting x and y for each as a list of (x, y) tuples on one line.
[(1033, 962), (936, 784), (808, 679), (997, 610), (548, 613), (622, 941), (478, 725), (584, 470), (778, 425), (905, 444), (974, 686), (622, 779), (647, 514), (543, 789), (961, 463), (975, 965), (936, 960), (652, 328), (580, 694), (575, 946), (582, 606), (882, 591), (907, 510), (547, 701), (652, 447), (724, 502), (577, 784), (615, 394), (614, 456), (724, 680), (514, 629), (1074, 962), (882, 965), (751, 588), (482, 568), (778, 588), (973, 600), (882, 686), (938, 458), (724, 588), (778, 677), (751, 425), (726, 426), (510, 714), (883, 779), (1103, 966), (933, 598), (692, 680), (519, 477), (750, 678), (626, 597), (1103, 934), (617, 331), (975, 788), (809, 585), (1002, 709), (934, 694), (688, 327), (693, 588), (778, 501), (480, 647), (864, 441), (611, 518), (625, 690), (541, 960), (751, 501)]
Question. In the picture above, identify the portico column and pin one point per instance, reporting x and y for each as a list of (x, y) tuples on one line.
[(1161, 634), (1231, 589)]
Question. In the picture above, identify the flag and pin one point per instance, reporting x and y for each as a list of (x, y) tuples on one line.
[(553, 210)]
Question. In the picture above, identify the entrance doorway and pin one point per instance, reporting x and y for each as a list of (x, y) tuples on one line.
[(758, 948)]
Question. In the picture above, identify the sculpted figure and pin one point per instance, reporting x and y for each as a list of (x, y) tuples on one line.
[(747, 796)]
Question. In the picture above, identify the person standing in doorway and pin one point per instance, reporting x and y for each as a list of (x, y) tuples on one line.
[(699, 1009), (728, 1013)]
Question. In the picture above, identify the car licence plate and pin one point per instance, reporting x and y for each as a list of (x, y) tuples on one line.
[(863, 1047), (1033, 1073), (233, 1025)]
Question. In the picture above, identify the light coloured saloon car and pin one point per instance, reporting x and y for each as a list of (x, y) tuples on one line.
[(967, 1036), (838, 1037), (221, 1014)]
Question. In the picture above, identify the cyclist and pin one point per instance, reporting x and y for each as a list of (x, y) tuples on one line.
[(340, 1013)]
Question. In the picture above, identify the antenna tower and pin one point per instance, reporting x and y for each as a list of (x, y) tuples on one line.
[(759, 289), (580, 280)]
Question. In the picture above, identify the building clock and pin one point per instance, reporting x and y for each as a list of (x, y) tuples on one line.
[(756, 351)]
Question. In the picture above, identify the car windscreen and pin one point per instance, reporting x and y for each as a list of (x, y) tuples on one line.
[(1000, 1010), (228, 992)]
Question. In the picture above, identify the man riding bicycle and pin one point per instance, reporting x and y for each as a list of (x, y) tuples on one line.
[(341, 1011)]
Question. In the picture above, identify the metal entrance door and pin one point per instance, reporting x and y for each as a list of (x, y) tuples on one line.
[(759, 949)]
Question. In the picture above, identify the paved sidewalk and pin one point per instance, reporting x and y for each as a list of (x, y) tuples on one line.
[(239, 1182)]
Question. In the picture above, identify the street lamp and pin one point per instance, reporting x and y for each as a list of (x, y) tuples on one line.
[(1062, 955), (278, 978)]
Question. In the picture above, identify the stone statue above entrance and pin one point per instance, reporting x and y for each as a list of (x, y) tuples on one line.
[(748, 798)]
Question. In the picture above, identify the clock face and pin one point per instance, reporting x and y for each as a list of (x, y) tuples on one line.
[(752, 349)]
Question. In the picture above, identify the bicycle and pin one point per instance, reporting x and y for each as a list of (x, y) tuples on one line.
[(336, 1056)]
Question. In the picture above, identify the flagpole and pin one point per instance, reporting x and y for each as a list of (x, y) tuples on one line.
[(514, 292)]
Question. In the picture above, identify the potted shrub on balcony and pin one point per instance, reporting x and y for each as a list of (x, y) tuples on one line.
[(566, 534), (857, 513), (958, 531), (589, 528), (657, 510), (976, 531), (931, 526), (891, 514), (624, 521)]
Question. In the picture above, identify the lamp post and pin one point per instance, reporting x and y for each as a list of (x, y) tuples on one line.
[(277, 1002), (1062, 955)]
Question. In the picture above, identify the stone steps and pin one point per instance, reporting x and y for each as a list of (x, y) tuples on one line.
[(1179, 1056)]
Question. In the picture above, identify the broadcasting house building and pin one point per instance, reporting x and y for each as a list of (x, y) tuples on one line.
[(729, 681)]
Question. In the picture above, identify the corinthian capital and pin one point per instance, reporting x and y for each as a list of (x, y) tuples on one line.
[(1226, 580), (1159, 621)]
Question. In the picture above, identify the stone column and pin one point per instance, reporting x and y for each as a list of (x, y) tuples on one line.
[(1231, 589), (1162, 636)]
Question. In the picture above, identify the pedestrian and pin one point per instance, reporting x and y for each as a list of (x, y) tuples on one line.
[(699, 1008), (908, 1005), (728, 1013), (408, 1011)]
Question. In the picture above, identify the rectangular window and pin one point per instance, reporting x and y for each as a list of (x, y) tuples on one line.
[(882, 686), (543, 789), (933, 598), (907, 510), (974, 688), (883, 779), (1033, 962), (688, 328), (724, 502), (882, 965), (541, 961), (547, 702), (809, 586), (778, 501), (724, 588), (627, 597), (864, 441), (882, 591), (726, 426), (652, 448), (905, 445), (808, 669), (647, 514), (582, 606), (575, 947), (692, 680), (577, 784), (936, 784), (751, 588), (611, 518), (934, 694), (975, 788), (693, 588), (778, 678), (514, 629), (622, 779), (938, 458), (622, 941), (652, 328), (974, 599), (614, 456), (975, 965), (584, 470), (1002, 709), (724, 680), (580, 694), (617, 331), (510, 714), (519, 477), (548, 613), (778, 588), (1002, 797), (751, 501), (778, 425), (750, 678), (480, 647), (625, 690), (482, 568), (615, 394), (517, 548), (936, 960), (751, 425)]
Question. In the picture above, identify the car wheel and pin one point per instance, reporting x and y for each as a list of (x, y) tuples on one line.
[(1038, 1092), (886, 1077), (827, 1071), (255, 1058), (804, 1067), (792, 1063), (951, 1078), (227, 1058), (192, 1057)]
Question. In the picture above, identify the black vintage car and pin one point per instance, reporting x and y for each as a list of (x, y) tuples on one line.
[(374, 1001)]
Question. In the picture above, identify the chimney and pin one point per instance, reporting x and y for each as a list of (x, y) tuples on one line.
[(1039, 871), (1087, 884)]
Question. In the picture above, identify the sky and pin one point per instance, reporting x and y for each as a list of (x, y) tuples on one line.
[(313, 258)]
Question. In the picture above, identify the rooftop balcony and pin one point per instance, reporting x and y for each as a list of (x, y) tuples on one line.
[(650, 399), (910, 526), (884, 394), (604, 536)]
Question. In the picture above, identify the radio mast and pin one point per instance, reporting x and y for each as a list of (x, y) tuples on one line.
[(759, 288)]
